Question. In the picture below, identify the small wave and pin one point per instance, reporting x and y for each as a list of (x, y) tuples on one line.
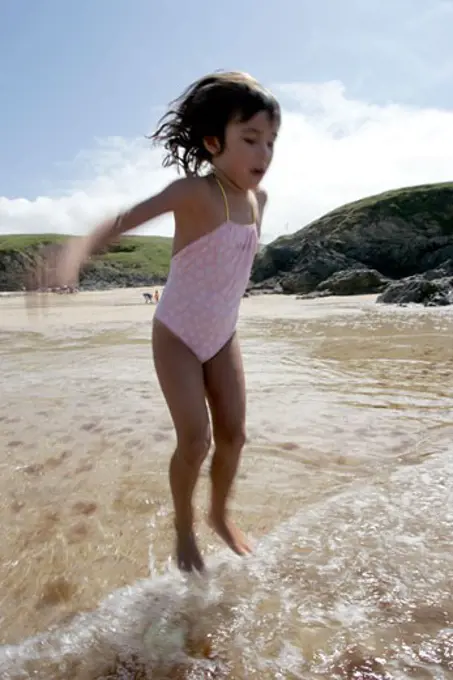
[(358, 586)]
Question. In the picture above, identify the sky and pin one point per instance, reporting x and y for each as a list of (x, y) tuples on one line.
[(366, 88)]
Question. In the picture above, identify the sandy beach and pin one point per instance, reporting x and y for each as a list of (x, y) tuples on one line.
[(343, 395)]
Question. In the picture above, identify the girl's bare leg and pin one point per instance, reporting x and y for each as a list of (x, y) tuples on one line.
[(180, 375), (225, 386)]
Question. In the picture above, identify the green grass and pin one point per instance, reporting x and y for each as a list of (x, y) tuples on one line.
[(146, 254), (22, 242), (431, 200), (403, 194)]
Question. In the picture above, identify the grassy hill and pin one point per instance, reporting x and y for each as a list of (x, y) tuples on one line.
[(132, 261), (406, 203)]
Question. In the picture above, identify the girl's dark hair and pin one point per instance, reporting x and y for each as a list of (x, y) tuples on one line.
[(204, 110)]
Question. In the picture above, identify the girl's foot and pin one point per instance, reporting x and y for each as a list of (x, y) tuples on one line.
[(229, 532), (188, 556)]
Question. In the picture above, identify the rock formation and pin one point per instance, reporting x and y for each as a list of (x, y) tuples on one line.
[(366, 247)]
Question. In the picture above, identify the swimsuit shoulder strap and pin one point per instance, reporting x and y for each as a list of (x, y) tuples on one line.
[(225, 200), (227, 207)]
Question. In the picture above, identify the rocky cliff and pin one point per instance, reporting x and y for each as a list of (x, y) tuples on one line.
[(391, 243)]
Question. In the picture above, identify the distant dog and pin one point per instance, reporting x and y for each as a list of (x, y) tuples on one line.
[(148, 297)]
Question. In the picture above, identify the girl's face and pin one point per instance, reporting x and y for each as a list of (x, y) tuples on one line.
[(249, 147)]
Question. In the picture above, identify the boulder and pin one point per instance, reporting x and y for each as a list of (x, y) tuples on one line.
[(354, 282), (419, 290)]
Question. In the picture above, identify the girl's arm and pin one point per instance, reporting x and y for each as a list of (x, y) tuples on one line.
[(173, 198), (76, 251)]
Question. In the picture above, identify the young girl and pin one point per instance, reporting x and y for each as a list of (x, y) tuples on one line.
[(226, 123)]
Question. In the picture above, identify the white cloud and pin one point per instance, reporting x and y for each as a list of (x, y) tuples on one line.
[(331, 150)]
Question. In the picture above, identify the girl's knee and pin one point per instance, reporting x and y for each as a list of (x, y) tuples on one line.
[(194, 446), (231, 437)]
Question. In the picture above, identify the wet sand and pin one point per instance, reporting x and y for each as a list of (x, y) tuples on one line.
[(342, 394)]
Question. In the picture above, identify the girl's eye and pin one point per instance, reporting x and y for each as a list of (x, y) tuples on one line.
[(249, 141)]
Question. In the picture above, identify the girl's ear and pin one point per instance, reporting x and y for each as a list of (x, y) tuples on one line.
[(211, 144)]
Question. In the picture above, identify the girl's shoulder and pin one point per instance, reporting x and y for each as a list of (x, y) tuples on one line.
[(199, 205), (185, 194), (260, 200), (195, 188), (261, 197)]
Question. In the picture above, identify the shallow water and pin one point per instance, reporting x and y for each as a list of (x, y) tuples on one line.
[(344, 487)]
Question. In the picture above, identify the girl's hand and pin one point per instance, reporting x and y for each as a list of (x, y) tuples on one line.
[(58, 266), (69, 262)]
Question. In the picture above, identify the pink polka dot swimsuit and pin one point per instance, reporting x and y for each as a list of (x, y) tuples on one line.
[(207, 280)]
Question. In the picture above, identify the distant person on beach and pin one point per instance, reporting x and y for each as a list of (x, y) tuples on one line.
[(220, 132)]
